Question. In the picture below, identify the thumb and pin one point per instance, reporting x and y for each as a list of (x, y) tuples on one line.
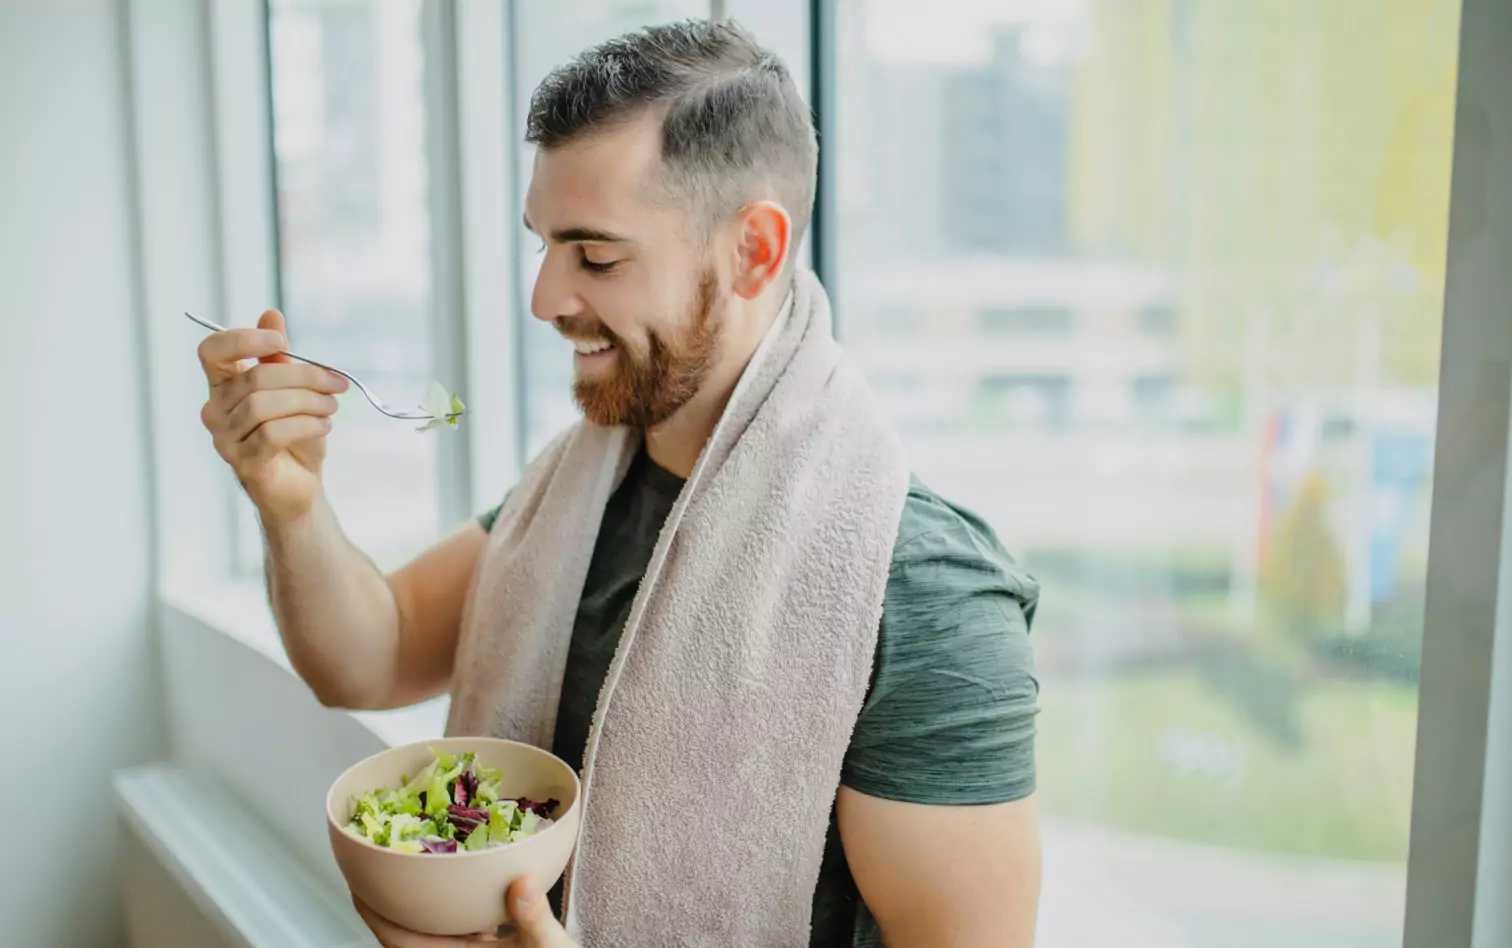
[(274, 320), (535, 926)]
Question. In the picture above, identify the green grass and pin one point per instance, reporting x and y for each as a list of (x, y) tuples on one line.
[(1336, 782)]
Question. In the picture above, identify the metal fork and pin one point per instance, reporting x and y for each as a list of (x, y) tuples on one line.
[(377, 402)]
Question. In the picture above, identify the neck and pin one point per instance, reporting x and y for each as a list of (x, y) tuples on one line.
[(676, 443)]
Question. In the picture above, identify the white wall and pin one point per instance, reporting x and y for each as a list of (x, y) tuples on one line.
[(77, 662), (159, 912)]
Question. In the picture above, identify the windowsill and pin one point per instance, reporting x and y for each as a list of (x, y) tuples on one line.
[(239, 610), (242, 720), (249, 887)]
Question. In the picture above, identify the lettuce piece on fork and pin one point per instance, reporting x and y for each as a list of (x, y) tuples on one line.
[(445, 406)]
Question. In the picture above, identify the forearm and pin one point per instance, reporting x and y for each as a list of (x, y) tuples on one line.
[(335, 611)]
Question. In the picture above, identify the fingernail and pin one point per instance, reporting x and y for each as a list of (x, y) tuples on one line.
[(273, 340), (529, 892), (337, 381)]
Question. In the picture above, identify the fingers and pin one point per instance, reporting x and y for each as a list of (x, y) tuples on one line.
[(273, 321), (275, 375), (240, 403), (392, 936), (271, 437), (221, 353), (535, 926), (261, 407)]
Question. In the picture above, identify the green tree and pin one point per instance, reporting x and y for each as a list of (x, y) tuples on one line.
[(1303, 578)]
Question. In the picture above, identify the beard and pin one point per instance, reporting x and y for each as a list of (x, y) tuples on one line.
[(642, 391)]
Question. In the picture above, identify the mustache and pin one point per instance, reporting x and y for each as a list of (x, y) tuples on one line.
[(584, 329)]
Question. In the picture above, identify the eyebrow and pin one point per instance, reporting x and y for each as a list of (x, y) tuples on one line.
[(574, 235)]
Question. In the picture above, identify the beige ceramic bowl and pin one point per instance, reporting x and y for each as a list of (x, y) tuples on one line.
[(454, 893)]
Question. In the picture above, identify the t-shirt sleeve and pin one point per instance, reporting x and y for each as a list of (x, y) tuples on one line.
[(487, 518), (950, 718)]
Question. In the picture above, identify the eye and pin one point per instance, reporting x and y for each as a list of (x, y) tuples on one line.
[(594, 266)]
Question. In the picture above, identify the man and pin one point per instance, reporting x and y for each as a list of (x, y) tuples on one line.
[(797, 683)]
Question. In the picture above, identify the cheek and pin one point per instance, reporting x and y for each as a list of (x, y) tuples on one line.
[(632, 309), (622, 322)]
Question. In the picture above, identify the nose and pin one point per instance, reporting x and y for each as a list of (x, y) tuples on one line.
[(553, 295)]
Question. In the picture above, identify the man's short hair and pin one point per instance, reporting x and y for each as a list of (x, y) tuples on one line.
[(734, 127)]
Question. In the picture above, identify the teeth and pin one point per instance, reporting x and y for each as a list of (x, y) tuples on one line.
[(589, 348)]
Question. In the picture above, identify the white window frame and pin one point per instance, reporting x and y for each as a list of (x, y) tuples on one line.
[(202, 170), (489, 239)]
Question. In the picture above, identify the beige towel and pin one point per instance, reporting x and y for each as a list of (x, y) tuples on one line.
[(715, 752)]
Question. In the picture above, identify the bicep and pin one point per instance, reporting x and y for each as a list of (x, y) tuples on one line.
[(951, 716), (944, 876), (429, 593)]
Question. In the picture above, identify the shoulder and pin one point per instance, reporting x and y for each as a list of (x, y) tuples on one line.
[(956, 601), (945, 554), (950, 715)]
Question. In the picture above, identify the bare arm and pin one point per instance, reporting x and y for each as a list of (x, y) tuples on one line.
[(359, 640), (944, 876)]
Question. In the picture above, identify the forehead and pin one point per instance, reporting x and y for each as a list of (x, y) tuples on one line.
[(607, 179)]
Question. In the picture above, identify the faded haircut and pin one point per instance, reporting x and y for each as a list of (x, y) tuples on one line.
[(734, 128)]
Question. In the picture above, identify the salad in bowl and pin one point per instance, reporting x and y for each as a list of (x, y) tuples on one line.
[(430, 835), (453, 804)]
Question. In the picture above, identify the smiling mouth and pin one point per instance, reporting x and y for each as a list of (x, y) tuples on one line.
[(591, 346)]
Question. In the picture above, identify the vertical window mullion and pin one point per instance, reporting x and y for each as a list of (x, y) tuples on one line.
[(448, 331)]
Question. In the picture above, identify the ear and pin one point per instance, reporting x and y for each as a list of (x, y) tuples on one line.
[(762, 247)]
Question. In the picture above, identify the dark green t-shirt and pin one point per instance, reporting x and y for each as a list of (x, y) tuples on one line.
[(949, 717)]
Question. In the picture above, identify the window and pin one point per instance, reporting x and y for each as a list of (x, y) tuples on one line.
[(1158, 320), (1003, 119), (1237, 217), (353, 219), (894, 321), (1007, 321), (1035, 400), (1221, 471), (549, 33), (1152, 396)]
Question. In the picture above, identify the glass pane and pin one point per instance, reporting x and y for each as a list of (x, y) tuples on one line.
[(354, 236), (549, 33), (1155, 287)]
